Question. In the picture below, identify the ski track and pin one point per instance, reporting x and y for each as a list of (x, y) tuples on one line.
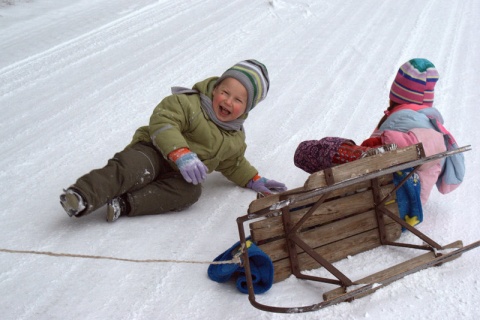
[(299, 99), (101, 80), (73, 54), (17, 39), (341, 66), (196, 249)]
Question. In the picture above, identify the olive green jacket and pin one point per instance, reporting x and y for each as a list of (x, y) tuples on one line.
[(178, 121)]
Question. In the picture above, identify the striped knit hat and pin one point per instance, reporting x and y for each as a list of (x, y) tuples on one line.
[(253, 75), (414, 83)]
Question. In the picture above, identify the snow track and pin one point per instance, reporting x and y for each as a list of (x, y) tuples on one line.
[(77, 78)]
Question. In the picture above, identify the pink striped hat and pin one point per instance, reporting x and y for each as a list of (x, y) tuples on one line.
[(415, 82)]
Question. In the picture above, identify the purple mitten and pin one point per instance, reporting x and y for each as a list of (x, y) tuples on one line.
[(265, 186), (192, 169)]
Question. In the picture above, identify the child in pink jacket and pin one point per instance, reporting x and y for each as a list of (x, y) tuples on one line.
[(409, 119)]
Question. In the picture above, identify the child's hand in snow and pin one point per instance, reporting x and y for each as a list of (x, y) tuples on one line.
[(265, 186)]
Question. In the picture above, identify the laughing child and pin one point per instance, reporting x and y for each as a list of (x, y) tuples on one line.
[(191, 133)]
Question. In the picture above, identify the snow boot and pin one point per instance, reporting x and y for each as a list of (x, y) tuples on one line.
[(72, 202), (115, 208)]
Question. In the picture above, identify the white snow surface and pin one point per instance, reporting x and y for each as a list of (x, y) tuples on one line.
[(78, 77)]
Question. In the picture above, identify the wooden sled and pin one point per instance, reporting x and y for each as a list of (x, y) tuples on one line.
[(340, 212)]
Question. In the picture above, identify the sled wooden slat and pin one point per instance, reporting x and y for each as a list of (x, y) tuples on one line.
[(366, 165), (335, 209), (353, 217), (330, 232), (336, 251)]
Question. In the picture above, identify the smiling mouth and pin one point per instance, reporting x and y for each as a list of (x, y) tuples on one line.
[(224, 111)]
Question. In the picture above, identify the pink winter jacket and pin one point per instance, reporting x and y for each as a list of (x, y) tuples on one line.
[(410, 124), (433, 143)]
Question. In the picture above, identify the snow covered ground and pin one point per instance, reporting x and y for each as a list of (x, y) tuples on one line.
[(78, 77)]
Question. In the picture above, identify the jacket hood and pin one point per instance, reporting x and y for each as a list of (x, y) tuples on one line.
[(206, 86)]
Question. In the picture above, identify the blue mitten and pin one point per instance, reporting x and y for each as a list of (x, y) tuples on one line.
[(265, 186), (260, 265), (223, 272)]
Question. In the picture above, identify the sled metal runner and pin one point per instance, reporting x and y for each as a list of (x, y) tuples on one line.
[(281, 211)]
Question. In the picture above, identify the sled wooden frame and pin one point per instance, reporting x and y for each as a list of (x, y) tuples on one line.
[(340, 212)]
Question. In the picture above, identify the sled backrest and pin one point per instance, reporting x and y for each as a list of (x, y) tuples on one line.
[(342, 221)]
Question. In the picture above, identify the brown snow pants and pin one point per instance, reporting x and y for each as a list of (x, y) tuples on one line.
[(144, 177)]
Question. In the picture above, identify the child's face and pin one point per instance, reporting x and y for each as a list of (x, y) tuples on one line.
[(229, 100)]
